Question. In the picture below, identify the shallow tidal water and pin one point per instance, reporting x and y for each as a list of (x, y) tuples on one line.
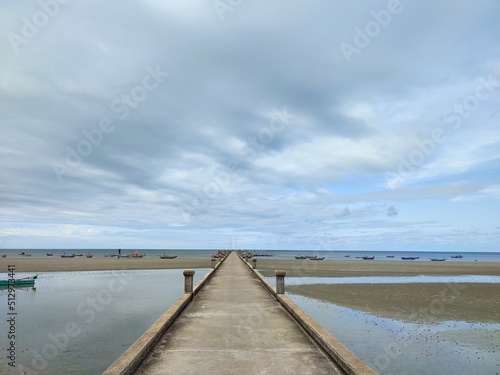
[(394, 347), (80, 322)]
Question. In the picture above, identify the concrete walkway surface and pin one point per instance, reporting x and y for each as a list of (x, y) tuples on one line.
[(235, 326)]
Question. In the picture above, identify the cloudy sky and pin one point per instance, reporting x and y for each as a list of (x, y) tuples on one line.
[(277, 124)]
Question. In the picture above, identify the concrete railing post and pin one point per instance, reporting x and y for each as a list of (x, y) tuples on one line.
[(213, 263), (254, 263), (280, 281), (188, 281)]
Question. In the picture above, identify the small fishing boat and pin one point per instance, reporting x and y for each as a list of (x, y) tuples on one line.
[(457, 256), (389, 256), (64, 255), (409, 258), (438, 259), (300, 257), (366, 257), (317, 258), (24, 254), (347, 256), (3, 255), (78, 255), (137, 254), (89, 255), (50, 254), (25, 281), (165, 256)]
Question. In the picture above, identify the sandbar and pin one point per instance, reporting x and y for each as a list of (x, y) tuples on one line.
[(353, 268), (415, 302), (98, 264)]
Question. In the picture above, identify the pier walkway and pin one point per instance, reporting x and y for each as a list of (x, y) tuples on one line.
[(235, 326)]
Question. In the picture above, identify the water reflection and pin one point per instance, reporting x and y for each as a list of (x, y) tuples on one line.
[(394, 347), (80, 322)]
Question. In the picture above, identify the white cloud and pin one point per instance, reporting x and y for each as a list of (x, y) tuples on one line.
[(199, 158)]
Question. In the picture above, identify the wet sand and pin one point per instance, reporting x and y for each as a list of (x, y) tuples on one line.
[(417, 302), (353, 268), (58, 264), (428, 302)]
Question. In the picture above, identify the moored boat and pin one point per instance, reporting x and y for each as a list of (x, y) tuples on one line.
[(457, 256), (438, 259), (89, 255), (25, 281), (137, 254), (50, 254), (64, 255), (409, 258), (366, 257), (3, 255), (165, 256), (317, 258)]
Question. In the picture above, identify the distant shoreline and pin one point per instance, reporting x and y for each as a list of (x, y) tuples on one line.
[(267, 266), (58, 264)]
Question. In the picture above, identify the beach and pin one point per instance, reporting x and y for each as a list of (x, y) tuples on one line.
[(416, 302), (357, 268), (58, 264), (429, 302)]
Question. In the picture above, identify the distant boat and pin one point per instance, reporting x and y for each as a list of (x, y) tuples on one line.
[(24, 254), (26, 281), (438, 259), (50, 254), (317, 258), (457, 256), (389, 256), (64, 255), (165, 256), (366, 257), (137, 254), (347, 256), (3, 256), (300, 257), (409, 258), (89, 255)]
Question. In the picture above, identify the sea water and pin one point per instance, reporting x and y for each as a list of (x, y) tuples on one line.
[(80, 322), (277, 254), (394, 347)]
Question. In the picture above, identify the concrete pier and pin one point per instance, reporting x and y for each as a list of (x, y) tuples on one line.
[(234, 325)]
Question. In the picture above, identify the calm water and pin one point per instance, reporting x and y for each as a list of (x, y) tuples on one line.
[(393, 347), (106, 311), (80, 322), (402, 348), (278, 254)]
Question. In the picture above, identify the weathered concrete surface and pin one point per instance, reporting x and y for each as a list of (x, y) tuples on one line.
[(234, 326)]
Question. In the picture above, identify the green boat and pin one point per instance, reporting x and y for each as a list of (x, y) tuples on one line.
[(26, 281)]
